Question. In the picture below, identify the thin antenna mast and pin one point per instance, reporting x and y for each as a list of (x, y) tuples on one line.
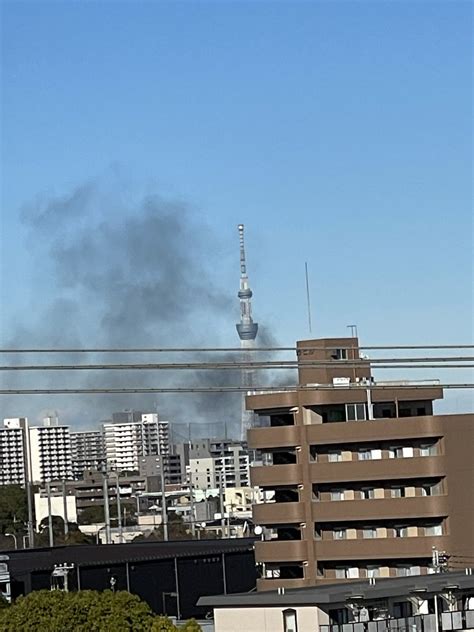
[(308, 301)]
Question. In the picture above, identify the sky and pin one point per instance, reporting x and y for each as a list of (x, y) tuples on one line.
[(339, 133)]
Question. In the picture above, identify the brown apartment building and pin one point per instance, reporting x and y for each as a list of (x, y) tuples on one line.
[(366, 481)]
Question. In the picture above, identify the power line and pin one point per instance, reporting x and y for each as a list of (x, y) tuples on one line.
[(225, 349), (207, 367), (256, 390), (382, 363)]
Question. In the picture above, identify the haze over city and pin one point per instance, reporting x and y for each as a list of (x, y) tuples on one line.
[(338, 138)]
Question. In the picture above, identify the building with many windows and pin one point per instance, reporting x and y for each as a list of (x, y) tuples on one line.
[(50, 450), (130, 436), (88, 453), (215, 462), (13, 451), (365, 479)]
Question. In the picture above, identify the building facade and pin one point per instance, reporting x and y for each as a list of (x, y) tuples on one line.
[(50, 452), (365, 479), (14, 451), (88, 452), (128, 438), (216, 462)]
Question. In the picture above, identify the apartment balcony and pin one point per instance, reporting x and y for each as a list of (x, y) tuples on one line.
[(268, 476), (274, 584), (378, 469), (281, 551), (379, 548), (278, 513), (380, 509), (376, 430), (277, 437)]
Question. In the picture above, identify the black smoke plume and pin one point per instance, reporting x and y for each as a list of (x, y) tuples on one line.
[(116, 272)]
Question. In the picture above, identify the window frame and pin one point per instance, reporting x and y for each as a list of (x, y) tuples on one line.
[(287, 613)]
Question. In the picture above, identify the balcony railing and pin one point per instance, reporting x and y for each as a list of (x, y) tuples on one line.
[(449, 621)]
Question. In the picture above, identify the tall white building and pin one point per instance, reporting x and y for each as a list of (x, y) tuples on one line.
[(14, 451), (213, 462), (127, 439), (50, 449), (88, 451)]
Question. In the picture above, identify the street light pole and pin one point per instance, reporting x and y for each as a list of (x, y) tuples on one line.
[(12, 535), (119, 510)]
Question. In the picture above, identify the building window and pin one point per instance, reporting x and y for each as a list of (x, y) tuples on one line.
[(367, 493), (289, 620), (355, 412), (339, 354), (337, 494), (365, 455)]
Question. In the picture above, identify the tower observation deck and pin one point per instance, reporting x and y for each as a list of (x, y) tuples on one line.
[(247, 330)]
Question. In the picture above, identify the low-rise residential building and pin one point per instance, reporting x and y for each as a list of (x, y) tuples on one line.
[(442, 602)]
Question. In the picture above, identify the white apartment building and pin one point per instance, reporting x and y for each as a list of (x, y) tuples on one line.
[(88, 452), (13, 451), (50, 449), (127, 440), (214, 462)]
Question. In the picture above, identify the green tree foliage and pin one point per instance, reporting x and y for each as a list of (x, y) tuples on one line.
[(85, 611), (163, 624), (191, 626), (13, 509), (75, 536), (91, 515), (177, 530)]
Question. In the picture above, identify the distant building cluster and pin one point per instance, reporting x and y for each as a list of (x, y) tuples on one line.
[(70, 467)]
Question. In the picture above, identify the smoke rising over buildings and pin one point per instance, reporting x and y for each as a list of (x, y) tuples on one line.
[(112, 271)]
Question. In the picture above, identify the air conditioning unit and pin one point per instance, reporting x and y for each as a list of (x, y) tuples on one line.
[(341, 381)]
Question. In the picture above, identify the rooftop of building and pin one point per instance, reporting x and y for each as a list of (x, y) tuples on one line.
[(342, 592)]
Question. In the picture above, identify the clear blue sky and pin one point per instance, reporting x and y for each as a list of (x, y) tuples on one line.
[(339, 132)]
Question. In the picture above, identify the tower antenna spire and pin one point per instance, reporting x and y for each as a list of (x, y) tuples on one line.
[(247, 330)]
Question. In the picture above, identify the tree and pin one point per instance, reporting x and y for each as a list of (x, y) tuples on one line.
[(191, 626), (85, 611), (163, 624), (13, 509), (91, 515), (177, 530), (75, 536)]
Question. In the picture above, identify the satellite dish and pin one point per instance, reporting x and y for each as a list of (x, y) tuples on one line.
[(258, 530)]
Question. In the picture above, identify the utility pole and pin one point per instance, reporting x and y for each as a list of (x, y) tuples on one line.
[(28, 486), (66, 525), (105, 489), (119, 509), (192, 507), (222, 504), (50, 516), (164, 509)]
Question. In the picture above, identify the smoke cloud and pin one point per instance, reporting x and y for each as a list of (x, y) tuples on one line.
[(116, 270)]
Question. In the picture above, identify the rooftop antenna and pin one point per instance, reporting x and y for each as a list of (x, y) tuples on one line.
[(353, 329), (308, 301)]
